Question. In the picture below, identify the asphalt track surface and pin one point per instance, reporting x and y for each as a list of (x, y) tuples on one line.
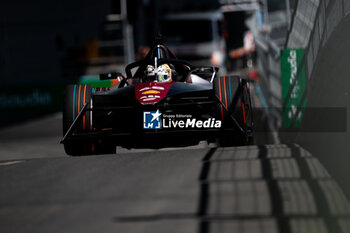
[(273, 188)]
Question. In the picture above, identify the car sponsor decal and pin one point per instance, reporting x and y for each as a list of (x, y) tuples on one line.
[(150, 93)]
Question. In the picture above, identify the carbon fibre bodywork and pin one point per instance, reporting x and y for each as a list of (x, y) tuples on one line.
[(116, 115)]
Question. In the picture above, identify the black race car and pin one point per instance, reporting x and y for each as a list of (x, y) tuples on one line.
[(155, 107)]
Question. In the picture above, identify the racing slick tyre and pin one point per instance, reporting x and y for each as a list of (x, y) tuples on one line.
[(235, 110), (75, 98)]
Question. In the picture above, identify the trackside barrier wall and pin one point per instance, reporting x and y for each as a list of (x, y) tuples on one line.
[(313, 23), (269, 40)]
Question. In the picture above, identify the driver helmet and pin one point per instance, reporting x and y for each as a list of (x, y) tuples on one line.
[(164, 73)]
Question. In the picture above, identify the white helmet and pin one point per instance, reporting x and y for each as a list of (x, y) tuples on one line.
[(163, 72)]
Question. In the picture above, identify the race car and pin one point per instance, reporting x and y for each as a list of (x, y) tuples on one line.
[(161, 102)]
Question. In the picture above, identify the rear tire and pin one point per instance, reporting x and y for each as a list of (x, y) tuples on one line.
[(75, 98)]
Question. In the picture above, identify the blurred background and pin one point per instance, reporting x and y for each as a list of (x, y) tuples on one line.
[(46, 45)]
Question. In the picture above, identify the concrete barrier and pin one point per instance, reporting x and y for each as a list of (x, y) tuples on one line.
[(327, 57)]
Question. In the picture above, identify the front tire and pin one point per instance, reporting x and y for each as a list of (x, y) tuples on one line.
[(75, 98), (233, 94)]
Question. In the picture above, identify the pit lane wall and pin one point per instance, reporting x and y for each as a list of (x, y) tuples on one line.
[(325, 41)]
